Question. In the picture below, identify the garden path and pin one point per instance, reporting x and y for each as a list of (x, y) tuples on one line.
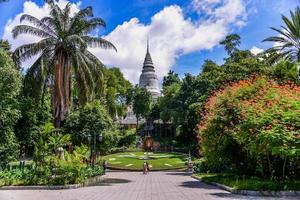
[(133, 186)]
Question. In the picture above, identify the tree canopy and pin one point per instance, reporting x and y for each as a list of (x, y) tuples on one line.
[(63, 52)]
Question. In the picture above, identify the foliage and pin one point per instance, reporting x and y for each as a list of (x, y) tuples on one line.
[(4, 45), (116, 89), (127, 138), (142, 102), (287, 71), (253, 125), (171, 78), (182, 102), (208, 66), (63, 54), (242, 182), (91, 119), (287, 43), (231, 43), (33, 115), (51, 167), (202, 165), (10, 85), (169, 103)]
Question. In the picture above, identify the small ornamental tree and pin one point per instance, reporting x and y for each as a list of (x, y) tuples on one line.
[(253, 125), (91, 119)]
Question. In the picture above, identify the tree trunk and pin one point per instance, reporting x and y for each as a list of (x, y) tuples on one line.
[(61, 95), (284, 166), (137, 124), (269, 164)]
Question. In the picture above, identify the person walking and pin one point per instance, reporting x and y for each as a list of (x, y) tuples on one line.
[(147, 168), (104, 165), (144, 167)]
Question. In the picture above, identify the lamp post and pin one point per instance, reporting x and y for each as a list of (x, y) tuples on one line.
[(96, 137)]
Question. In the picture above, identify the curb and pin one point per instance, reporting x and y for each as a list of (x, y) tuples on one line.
[(87, 182), (140, 170), (250, 192)]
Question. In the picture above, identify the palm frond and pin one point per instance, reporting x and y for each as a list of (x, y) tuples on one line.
[(38, 23), (26, 29), (98, 42)]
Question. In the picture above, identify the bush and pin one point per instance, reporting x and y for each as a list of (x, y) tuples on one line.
[(203, 166), (10, 84), (92, 119), (254, 127), (127, 138)]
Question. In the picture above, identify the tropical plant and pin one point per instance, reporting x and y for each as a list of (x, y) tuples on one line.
[(116, 89), (253, 126), (171, 78), (141, 103), (288, 42), (10, 85), (92, 119), (287, 71), (231, 43), (63, 53)]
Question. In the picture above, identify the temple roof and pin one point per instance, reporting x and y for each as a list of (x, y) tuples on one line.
[(148, 78)]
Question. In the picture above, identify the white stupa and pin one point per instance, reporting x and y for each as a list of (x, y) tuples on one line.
[(148, 78)]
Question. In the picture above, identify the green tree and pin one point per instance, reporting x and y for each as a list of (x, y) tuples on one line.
[(116, 89), (171, 78), (4, 45), (209, 65), (91, 119), (64, 53), (287, 71), (10, 85), (288, 45), (231, 43), (142, 101)]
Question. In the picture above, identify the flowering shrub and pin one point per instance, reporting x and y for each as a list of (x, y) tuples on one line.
[(253, 125)]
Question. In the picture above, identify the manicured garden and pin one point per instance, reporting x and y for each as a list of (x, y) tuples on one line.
[(156, 160)]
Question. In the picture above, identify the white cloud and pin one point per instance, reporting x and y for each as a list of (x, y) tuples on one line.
[(255, 50), (170, 32), (171, 35)]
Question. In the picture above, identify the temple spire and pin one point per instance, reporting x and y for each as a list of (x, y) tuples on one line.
[(147, 44)]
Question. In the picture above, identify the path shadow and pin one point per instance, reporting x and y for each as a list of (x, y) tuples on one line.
[(196, 184), (111, 181), (229, 195), (179, 173)]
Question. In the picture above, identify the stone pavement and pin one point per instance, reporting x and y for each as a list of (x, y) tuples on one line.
[(133, 186)]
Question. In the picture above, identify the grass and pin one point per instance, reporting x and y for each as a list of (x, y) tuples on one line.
[(250, 183), (157, 161)]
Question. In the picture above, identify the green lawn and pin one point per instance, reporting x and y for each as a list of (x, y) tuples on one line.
[(250, 183), (157, 161)]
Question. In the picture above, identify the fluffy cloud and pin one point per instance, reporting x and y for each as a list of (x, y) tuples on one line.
[(255, 50), (170, 32), (171, 35)]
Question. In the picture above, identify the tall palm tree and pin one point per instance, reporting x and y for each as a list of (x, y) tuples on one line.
[(288, 41), (63, 54)]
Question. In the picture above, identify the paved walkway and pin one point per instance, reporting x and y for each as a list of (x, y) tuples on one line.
[(133, 186)]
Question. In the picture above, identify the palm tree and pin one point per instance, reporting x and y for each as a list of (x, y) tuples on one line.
[(231, 42), (63, 55), (288, 41)]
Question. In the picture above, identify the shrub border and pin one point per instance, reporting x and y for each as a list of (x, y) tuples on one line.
[(250, 192), (88, 182)]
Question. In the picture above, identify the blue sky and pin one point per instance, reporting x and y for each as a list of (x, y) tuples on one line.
[(251, 19)]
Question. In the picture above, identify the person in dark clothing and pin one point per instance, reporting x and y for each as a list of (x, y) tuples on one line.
[(104, 165)]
